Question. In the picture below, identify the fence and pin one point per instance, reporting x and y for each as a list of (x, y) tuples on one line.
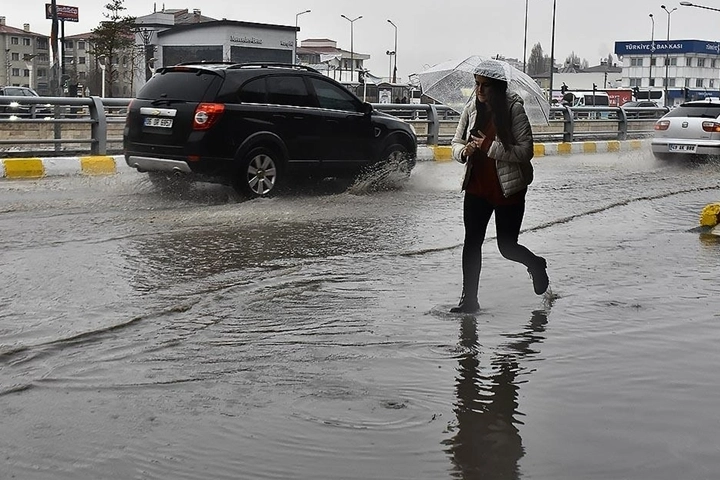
[(94, 125)]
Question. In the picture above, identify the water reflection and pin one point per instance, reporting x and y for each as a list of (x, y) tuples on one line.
[(487, 443)]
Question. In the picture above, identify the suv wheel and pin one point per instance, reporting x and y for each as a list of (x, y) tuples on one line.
[(395, 157), (259, 173)]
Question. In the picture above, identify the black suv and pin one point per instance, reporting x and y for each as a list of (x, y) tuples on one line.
[(257, 126)]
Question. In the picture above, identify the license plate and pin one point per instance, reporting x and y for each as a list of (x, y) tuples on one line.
[(682, 148), (158, 122)]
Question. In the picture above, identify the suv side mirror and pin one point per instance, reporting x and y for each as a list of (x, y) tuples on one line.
[(367, 108)]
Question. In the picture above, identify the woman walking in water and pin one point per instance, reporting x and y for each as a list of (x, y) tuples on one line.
[(494, 139)]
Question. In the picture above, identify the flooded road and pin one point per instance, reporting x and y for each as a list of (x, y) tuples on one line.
[(156, 335)]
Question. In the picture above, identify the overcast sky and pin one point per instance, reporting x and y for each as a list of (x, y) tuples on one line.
[(429, 31)]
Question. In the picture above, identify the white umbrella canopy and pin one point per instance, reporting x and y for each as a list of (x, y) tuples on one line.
[(452, 83)]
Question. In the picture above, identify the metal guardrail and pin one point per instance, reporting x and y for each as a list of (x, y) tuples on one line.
[(435, 124)]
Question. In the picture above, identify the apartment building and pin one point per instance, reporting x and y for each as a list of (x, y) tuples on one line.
[(26, 58)]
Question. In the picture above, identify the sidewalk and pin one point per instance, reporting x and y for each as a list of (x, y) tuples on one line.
[(15, 168)]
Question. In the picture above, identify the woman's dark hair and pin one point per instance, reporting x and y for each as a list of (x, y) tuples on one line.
[(496, 95)]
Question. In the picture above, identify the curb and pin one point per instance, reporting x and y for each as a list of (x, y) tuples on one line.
[(18, 168), (33, 167), (443, 153)]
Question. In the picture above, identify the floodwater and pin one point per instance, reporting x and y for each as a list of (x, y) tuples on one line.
[(154, 335)]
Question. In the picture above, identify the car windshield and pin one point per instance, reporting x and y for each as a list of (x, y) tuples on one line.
[(705, 110)]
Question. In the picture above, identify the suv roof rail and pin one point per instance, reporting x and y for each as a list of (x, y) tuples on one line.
[(204, 62), (273, 64)]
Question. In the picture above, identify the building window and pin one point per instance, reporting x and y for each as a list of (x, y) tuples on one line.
[(15, 57), (671, 82), (653, 61), (636, 62), (81, 60), (713, 62), (712, 83), (14, 41), (636, 82), (688, 62), (26, 73), (687, 82), (673, 62), (42, 57), (701, 62), (15, 72), (41, 72), (42, 43), (69, 44), (699, 82), (26, 42), (81, 45)]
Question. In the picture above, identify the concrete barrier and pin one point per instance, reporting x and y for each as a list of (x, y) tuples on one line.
[(14, 168)]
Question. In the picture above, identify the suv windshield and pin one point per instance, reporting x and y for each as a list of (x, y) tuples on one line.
[(185, 84), (705, 110)]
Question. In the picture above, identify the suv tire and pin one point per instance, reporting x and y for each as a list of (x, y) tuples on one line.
[(397, 156), (260, 173)]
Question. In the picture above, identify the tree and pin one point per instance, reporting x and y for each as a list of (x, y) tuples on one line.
[(112, 37), (537, 63), (573, 60)]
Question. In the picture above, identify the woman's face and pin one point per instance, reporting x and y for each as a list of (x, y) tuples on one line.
[(482, 86)]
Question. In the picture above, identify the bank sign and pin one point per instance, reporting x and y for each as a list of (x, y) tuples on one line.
[(662, 47)]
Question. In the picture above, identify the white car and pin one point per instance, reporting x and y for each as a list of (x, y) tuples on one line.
[(690, 130)]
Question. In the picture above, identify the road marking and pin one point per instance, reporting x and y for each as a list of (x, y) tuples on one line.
[(24, 168), (98, 165)]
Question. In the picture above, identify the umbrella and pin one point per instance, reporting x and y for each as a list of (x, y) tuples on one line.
[(452, 83)]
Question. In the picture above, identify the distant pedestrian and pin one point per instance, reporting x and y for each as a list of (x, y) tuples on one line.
[(494, 139)]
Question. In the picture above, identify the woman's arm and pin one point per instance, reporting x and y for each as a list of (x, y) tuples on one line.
[(522, 151), (459, 140)]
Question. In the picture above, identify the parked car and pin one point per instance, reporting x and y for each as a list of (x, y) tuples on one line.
[(18, 109), (643, 109), (258, 126), (690, 130)]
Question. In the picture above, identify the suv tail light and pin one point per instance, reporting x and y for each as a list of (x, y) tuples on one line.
[(207, 115), (662, 124), (713, 127)]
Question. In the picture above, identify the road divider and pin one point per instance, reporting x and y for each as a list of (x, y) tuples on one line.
[(16, 168)]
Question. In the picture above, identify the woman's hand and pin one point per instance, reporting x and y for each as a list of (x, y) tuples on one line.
[(473, 144)]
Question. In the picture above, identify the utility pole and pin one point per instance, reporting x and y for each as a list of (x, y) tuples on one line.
[(352, 51)]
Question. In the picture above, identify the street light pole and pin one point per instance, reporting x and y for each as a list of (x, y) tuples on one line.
[(390, 54), (352, 51), (651, 83), (525, 38), (394, 75), (690, 4), (667, 51), (296, 30), (552, 53)]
